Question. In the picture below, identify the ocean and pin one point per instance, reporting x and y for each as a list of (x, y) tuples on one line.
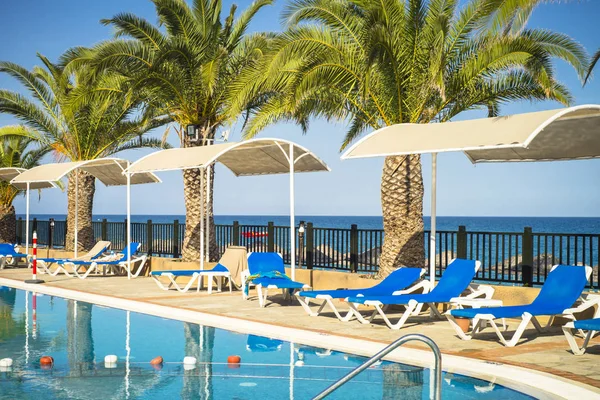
[(589, 225)]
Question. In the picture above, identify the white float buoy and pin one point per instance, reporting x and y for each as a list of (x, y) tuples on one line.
[(6, 362), (189, 360), (110, 359), (189, 363), (299, 363), (110, 365)]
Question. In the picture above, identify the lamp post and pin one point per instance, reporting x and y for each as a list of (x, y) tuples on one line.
[(301, 243)]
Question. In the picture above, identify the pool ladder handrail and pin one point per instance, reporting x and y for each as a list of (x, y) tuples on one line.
[(437, 378)]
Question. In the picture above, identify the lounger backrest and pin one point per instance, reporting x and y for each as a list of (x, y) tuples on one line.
[(134, 246), (6, 249), (399, 279), (562, 287), (265, 262), (99, 248), (456, 278)]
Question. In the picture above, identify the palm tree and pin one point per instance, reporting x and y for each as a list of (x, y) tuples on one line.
[(18, 152), (387, 62), (189, 70), (593, 63), (80, 115)]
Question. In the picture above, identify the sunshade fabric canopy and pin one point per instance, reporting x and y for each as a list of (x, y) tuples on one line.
[(564, 134), (8, 174), (107, 170), (252, 157)]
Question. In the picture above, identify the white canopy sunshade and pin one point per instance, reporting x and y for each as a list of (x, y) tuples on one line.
[(565, 134), (107, 170), (9, 173), (251, 157)]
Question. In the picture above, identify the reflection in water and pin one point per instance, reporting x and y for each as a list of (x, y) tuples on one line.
[(80, 342), (9, 327), (199, 343)]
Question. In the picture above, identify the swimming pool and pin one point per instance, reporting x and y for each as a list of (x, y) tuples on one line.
[(78, 335)]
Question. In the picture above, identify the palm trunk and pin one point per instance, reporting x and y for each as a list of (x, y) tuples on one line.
[(402, 206), (8, 224), (191, 192), (85, 193)]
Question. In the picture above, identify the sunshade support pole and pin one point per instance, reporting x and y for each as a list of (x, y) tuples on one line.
[(201, 252), (27, 220), (207, 213), (432, 237), (292, 217), (76, 211), (129, 224)]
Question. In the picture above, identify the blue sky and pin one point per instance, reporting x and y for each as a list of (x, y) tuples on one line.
[(352, 187)]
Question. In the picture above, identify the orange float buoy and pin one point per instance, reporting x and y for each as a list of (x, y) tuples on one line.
[(46, 361), (156, 361), (234, 360)]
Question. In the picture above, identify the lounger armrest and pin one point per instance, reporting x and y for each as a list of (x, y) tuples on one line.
[(424, 284), (485, 291), (587, 301)]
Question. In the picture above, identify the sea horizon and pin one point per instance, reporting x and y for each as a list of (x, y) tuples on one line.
[(554, 224)]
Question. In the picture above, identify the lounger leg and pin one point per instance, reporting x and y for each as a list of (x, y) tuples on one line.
[(159, 283), (261, 302), (407, 313), (305, 303), (229, 281), (527, 317), (570, 335)]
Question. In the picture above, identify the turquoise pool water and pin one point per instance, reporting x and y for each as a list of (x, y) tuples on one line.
[(79, 335)]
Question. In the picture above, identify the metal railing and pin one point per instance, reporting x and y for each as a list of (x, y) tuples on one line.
[(524, 257), (437, 368)]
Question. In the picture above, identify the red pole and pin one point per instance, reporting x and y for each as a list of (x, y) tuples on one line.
[(34, 262), (34, 255)]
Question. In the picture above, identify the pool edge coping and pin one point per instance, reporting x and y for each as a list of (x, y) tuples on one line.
[(547, 384)]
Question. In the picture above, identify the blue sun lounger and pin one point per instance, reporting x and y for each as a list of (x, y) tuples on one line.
[(195, 275), (96, 252), (120, 265), (592, 326), (7, 252), (456, 279), (267, 271), (562, 288), (400, 281)]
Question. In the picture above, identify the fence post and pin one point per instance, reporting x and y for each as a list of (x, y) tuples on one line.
[(49, 233), (527, 258), (461, 242), (176, 238), (125, 234), (271, 237), (353, 248), (308, 237), (149, 238), (104, 229), (236, 233), (34, 225), (20, 231)]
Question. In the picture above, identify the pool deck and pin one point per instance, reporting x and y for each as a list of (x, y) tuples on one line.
[(545, 354)]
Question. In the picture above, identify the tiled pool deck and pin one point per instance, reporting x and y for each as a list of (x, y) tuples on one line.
[(548, 353)]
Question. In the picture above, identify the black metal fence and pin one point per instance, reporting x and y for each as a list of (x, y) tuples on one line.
[(524, 257)]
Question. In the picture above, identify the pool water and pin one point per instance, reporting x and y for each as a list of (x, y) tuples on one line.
[(79, 335)]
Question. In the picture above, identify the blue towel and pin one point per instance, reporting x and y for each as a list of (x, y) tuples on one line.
[(282, 281)]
